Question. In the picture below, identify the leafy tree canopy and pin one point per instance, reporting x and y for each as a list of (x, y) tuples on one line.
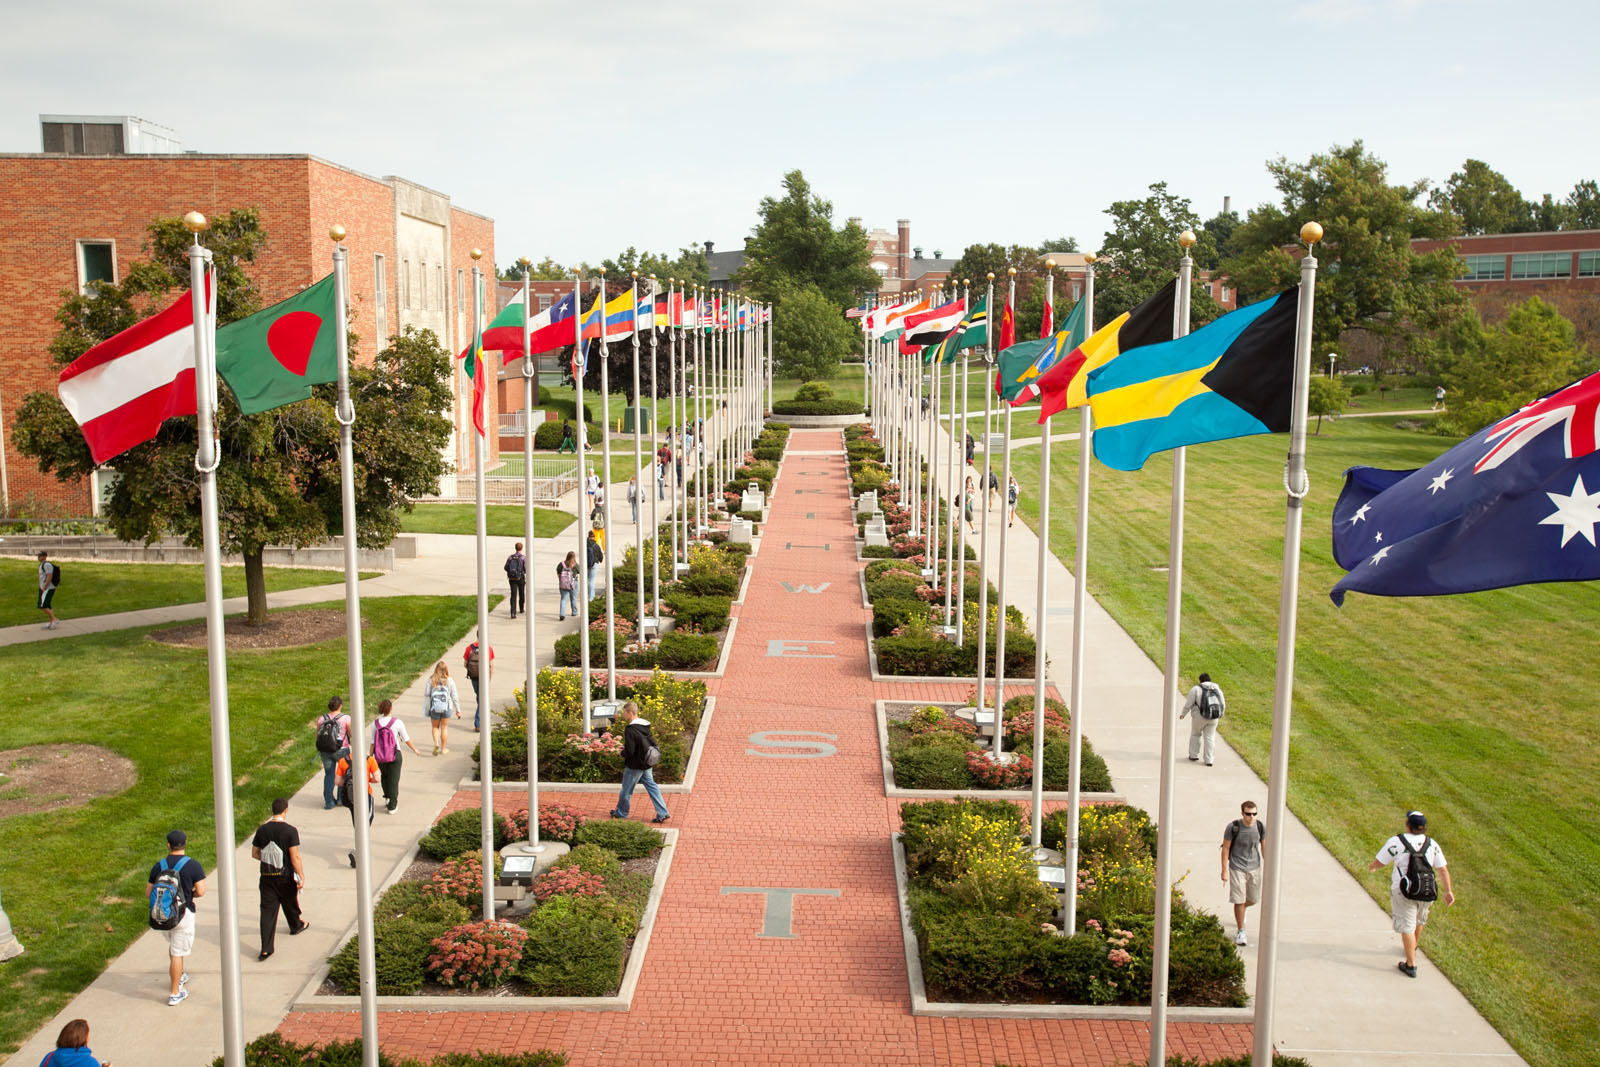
[(1140, 254), (1058, 244), (278, 482), (795, 245), (813, 337), (546, 270), (1495, 371), (1483, 200), (689, 265)]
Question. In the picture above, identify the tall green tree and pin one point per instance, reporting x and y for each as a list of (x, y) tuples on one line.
[(546, 270), (1058, 244), (278, 482), (1370, 278), (1583, 206), (1484, 200), (795, 245), (689, 265), (1532, 352), (811, 336), (1141, 253)]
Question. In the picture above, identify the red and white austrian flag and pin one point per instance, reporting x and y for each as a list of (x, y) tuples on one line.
[(122, 389)]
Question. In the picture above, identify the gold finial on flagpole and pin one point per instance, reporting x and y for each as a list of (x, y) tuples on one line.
[(600, 271), (1090, 258), (1012, 271), (1311, 233), (652, 277), (635, 275), (991, 276), (1187, 239), (195, 222), (476, 254), (524, 263), (1049, 264), (336, 233)]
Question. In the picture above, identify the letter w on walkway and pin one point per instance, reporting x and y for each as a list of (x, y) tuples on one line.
[(802, 587)]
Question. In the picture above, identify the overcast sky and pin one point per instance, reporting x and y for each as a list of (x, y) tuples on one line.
[(582, 128)]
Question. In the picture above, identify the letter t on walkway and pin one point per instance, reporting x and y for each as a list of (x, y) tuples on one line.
[(780, 906)]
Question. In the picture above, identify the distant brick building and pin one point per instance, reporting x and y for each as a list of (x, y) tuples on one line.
[(1562, 268), (69, 219)]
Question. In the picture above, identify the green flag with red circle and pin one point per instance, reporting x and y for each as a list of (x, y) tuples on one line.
[(275, 356)]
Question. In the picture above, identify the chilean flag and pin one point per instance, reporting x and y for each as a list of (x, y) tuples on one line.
[(122, 389)]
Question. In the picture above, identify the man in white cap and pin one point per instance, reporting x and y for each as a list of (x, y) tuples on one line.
[(1413, 887)]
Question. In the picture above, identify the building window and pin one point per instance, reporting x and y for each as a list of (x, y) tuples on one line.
[(1541, 265), (380, 297), (1226, 292), (461, 288), (544, 301), (438, 286), (1483, 268), (405, 284), (97, 262), (1589, 264)]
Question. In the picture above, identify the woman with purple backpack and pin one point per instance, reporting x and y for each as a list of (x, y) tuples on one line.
[(388, 734)]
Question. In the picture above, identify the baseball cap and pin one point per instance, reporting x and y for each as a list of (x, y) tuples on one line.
[(176, 839), (1416, 820)]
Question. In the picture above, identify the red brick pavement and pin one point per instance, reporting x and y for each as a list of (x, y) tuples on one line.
[(712, 992)]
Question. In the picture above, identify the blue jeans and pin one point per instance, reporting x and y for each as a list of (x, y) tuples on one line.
[(478, 711), (630, 779), (330, 764), (592, 566), (569, 597)]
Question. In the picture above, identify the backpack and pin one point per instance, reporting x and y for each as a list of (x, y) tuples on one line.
[(473, 659), (55, 574), (564, 578), (330, 736), (1210, 702), (347, 793), (652, 756), (1419, 882), (516, 568), (439, 700), (167, 899), (272, 858), (384, 748)]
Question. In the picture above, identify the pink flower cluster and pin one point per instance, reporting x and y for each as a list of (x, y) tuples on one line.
[(1119, 956), (568, 881), (992, 772), (556, 821), (1020, 725), (460, 880), (593, 743), (478, 955)]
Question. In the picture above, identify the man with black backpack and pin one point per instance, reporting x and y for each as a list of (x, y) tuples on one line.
[(1207, 703), (640, 754), (333, 745), (49, 579), (517, 575), (176, 882), (1418, 872)]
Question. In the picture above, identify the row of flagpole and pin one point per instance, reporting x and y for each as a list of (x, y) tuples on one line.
[(892, 377)]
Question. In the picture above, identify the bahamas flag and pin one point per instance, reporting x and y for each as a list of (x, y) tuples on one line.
[(1230, 378)]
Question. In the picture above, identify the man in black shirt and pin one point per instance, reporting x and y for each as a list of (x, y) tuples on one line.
[(277, 846)]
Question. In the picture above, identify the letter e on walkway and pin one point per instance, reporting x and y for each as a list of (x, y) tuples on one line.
[(814, 749)]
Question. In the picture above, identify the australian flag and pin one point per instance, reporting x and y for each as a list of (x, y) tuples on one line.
[(1513, 504)]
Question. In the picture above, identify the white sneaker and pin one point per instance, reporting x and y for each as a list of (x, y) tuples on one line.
[(1240, 939), (183, 981), (178, 998)]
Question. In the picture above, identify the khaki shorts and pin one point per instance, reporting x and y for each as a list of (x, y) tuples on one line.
[(1407, 914), (180, 939), (1244, 887)]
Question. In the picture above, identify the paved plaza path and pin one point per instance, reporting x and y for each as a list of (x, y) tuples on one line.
[(713, 990)]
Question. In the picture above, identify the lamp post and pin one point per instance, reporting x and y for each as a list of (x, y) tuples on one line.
[(1331, 357)]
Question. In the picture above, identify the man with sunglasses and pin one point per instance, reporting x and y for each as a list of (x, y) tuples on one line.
[(1243, 845)]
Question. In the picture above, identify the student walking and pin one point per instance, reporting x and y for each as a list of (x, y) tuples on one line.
[(72, 1048), (49, 579), (968, 509), (347, 792), (517, 575), (333, 745), (1244, 842), (475, 674), (1012, 492), (640, 754), (277, 846), (633, 497), (567, 583), (176, 882), (597, 556), (598, 497), (1417, 873), (388, 734), (439, 702), (1207, 703)]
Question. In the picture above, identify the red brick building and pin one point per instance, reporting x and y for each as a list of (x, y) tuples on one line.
[(66, 220)]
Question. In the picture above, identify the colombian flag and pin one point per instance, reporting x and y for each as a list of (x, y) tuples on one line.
[(1230, 378)]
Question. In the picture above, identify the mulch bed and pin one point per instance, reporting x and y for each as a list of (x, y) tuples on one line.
[(47, 777), (283, 629)]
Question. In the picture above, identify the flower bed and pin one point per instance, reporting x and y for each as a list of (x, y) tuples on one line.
[(430, 937), (567, 754), (701, 601), (930, 748), (907, 614), (984, 922)]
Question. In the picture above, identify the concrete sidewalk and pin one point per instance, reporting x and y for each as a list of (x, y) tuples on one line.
[(1336, 950)]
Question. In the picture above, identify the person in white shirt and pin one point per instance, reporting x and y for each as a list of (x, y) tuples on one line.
[(1410, 915), (392, 732), (1207, 703)]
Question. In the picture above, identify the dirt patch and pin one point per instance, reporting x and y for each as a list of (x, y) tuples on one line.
[(47, 777), (284, 629)]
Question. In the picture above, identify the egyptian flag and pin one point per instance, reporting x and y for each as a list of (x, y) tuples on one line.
[(1231, 378), (1149, 323), (930, 327)]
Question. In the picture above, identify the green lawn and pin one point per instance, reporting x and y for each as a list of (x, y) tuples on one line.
[(1454, 705), (105, 588), (1406, 399), (504, 520), (74, 879)]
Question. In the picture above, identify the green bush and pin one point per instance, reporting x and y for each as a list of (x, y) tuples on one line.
[(405, 900), (932, 766), (814, 391), (1206, 969), (896, 584), (834, 406), (686, 652), (459, 833), (736, 549), (400, 953), (628, 839), (971, 956), (592, 859), (1053, 832), (1094, 776), (709, 613), (889, 613), (920, 819), (706, 581), (922, 655), (271, 1050), (572, 951), (877, 552)]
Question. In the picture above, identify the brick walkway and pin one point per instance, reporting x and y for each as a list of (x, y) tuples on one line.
[(713, 992)]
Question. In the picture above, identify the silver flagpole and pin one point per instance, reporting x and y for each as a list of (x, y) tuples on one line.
[(952, 494), (961, 557), (767, 328), (579, 365), (930, 550), (1005, 513), (638, 450), (1080, 601), (1040, 626), (655, 497), (207, 458), (674, 445), (1296, 487), (345, 415), (983, 542), (607, 490), (701, 482), (1162, 954), (485, 649), (530, 683)]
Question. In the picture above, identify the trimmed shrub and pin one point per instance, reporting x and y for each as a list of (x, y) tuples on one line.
[(891, 613), (400, 950), (971, 956), (271, 1050), (686, 652), (877, 552), (409, 900), (936, 766), (627, 839), (459, 833), (592, 859), (814, 391), (460, 880), (573, 950), (895, 584), (920, 655), (707, 613), (834, 406), (706, 581), (477, 955)]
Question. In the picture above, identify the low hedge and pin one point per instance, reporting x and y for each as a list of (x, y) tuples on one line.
[(460, 832), (674, 652), (271, 1050), (708, 613), (574, 949), (628, 839), (946, 659), (891, 612), (400, 953), (834, 406), (877, 552)]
